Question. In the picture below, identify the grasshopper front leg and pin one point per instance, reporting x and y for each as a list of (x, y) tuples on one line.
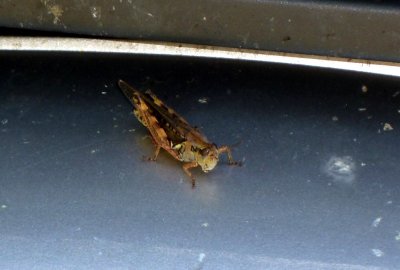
[(186, 168), (227, 150)]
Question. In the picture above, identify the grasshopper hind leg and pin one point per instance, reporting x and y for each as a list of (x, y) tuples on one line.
[(155, 155), (156, 151)]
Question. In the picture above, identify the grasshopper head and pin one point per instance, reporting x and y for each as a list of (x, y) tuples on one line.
[(208, 158)]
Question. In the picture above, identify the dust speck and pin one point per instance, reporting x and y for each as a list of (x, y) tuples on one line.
[(377, 252), (56, 11), (4, 121), (205, 224), (335, 118), (364, 88), (203, 100), (3, 206), (387, 127), (201, 257), (340, 169), (397, 237), (376, 222), (96, 12)]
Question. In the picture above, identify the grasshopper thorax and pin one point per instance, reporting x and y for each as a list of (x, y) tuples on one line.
[(206, 156)]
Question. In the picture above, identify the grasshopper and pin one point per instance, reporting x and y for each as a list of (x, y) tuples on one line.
[(173, 133)]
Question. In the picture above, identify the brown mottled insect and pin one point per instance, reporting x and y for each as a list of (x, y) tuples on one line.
[(171, 132)]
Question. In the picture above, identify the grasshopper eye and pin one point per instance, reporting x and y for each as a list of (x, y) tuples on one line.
[(204, 152)]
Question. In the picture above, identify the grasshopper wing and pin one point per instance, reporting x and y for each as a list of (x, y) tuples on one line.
[(145, 115)]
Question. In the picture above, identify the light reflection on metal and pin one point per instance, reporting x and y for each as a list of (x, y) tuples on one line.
[(188, 50)]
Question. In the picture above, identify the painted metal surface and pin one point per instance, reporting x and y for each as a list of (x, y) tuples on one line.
[(348, 29), (318, 189)]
